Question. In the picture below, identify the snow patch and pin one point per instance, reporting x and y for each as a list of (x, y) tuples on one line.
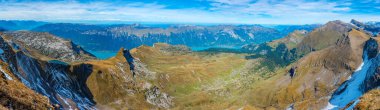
[(291, 107), (349, 77), (330, 107), (65, 101), (351, 107), (350, 90), (6, 75), (360, 67)]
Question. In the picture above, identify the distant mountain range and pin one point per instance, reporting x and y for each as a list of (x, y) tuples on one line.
[(95, 37), (14, 25)]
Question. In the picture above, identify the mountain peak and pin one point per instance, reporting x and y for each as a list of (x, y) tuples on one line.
[(338, 25), (120, 53), (124, 54), (336, 21), (357, 23)]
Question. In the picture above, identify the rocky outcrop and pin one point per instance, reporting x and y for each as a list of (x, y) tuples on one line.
[(324, 36), (49, 45), (80, 85), (129, 80), (372, 78), (49, 78), (156, 97)]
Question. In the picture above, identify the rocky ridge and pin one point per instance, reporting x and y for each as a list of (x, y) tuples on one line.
[(72, 85), (49, 45)]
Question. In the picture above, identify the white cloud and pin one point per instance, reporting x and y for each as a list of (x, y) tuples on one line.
[(103, 11), (232, 2), (222, 11)]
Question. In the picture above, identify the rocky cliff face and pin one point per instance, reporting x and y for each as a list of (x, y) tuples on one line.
[(49, 78), (128, 79), (49, 45), (80, 85), (15, 95), (120, 82)]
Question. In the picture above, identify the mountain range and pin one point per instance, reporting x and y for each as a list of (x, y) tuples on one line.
[(330, 66), (94, 37)]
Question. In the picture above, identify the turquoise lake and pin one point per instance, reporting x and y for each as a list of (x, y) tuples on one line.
[(103, 54)]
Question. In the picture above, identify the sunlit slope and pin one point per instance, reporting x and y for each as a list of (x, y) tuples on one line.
[(185, 75), (291, 40), (316, 75), (369, 101)]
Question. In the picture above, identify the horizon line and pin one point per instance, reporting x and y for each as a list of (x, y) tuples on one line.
[(120, 22)]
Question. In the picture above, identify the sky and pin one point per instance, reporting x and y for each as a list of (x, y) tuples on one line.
[(192, 11)]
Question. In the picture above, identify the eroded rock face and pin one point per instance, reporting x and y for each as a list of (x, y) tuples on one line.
[(371, 48), (372, 78), (49, 78), (364, 79), (122, 82), (15, 95), (50, 45), (86, 84), (156, 97)]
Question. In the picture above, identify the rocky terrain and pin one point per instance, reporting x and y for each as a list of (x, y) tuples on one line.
[(334, 66), (49, 45)]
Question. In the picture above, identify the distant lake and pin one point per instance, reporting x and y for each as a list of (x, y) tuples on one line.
[(103, 54)]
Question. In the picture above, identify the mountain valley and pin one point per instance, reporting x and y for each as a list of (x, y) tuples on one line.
[(330, 66)]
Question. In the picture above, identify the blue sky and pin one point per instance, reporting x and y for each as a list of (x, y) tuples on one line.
[(193, 11)]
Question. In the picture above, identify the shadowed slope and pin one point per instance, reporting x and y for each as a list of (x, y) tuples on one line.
[(15, 95)]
